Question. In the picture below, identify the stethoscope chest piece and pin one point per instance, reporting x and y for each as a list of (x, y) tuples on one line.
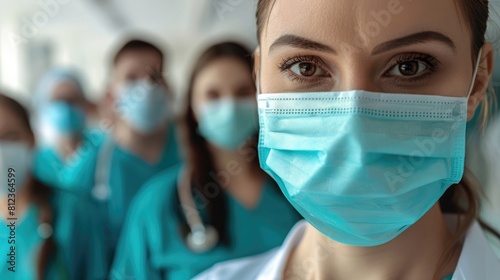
[(202, 239), (44, 230), (101, 192)]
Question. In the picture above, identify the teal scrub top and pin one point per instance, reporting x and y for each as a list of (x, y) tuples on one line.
[(76, 256), (73, 174), (127, 173), (151, 246)]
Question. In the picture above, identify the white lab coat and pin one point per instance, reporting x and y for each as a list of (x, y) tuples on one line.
[(490, 151), (477, 260)]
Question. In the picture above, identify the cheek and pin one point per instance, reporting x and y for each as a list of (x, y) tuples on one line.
[(197, 102), (110, 99), (270, 77), (458, 81)]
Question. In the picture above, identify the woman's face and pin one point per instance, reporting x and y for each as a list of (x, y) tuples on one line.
[(393, 46), (222, 78), (68, 92), (12, 128)]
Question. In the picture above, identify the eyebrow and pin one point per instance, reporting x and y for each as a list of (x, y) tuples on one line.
[(417, 38), (301, 43), (413, 39)]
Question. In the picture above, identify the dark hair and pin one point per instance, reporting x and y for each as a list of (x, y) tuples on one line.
[(39, 193), (137, 45), (462, 198), (198, 156)]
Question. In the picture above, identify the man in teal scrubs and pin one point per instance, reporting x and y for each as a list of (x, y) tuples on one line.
[(111, 165)]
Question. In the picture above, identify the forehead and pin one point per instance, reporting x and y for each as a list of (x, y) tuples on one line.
[(139, 60), (66, 90), (224, 69), (363, 23)]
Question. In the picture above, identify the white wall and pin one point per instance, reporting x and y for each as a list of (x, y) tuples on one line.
[(83, 34)]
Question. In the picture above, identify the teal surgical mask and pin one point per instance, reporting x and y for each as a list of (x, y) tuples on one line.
[(63, 118), (227, 123), (59, 119), (143, 106), (362, 167), (15, 166)]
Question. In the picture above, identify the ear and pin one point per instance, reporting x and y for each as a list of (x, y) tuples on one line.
[(169, 89), (482, 80), (108, 99), (32, 141), (106, 106)]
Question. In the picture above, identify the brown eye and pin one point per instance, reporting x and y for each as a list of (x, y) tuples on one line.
[(408, 68), (307, 69), (212, 94)]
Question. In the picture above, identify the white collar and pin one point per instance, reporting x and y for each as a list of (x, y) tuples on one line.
[(477, 260), (277, 264)]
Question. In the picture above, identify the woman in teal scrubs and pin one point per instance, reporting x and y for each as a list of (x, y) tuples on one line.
[(219, 205), (61, 113), (43, 233)]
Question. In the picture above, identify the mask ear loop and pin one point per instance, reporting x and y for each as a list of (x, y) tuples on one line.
[(474, 77), (257, 83), (257, 77)]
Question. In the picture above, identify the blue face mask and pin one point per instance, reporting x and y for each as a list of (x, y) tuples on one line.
[(143, 106), (15, 166), (227, 123), (62, 118), (362, 167)]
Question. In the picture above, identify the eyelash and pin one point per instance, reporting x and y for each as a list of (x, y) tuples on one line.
[(431, 62), (287, 63)]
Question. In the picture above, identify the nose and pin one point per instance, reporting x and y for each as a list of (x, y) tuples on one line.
[(357, 78), (355, 72)]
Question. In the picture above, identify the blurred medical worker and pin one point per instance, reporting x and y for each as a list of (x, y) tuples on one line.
[(44, 234), (141, 142), (363, 111), (60, 111), (218, 206)]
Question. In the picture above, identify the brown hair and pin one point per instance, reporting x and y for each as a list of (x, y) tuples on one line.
[(462, 198), (137, 45), (39, 193), (198, 156)]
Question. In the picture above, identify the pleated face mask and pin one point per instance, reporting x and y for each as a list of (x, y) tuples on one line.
[(362, 167), (143, 105), (227, 123)]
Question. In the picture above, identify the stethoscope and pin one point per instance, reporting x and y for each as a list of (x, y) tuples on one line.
[(101, 190), (201, 238)]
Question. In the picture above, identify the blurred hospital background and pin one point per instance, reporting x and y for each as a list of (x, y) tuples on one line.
[(83, 34), (36, 35)]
